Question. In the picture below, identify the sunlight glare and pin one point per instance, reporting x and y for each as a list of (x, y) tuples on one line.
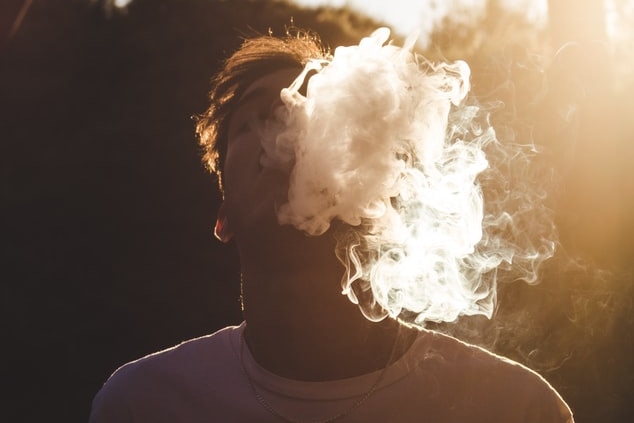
[(407, 16), (121, 3)]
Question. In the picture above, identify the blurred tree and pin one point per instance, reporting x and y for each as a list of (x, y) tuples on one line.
[(12, 13)]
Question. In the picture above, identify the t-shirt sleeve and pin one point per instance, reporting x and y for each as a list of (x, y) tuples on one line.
[(182, 383), (110, 404), (547, 406), (525, 396), (496, 389)]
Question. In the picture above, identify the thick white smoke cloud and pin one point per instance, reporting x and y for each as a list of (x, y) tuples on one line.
[(383, 141)]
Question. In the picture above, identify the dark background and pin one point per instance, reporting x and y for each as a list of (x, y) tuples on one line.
[(106, 220)]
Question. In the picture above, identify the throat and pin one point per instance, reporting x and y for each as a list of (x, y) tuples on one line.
[(321, 352), (300, 326)]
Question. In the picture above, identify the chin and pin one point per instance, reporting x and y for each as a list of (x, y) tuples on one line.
[(268, 238)]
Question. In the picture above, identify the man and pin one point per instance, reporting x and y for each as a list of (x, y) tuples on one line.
[(304, 352)]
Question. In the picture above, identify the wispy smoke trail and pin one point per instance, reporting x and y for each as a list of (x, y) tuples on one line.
[(385, 141)]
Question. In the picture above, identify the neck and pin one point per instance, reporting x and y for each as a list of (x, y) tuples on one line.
[(300, 326)]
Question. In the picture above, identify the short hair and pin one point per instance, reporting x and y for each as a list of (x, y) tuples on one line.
[(255, 58)]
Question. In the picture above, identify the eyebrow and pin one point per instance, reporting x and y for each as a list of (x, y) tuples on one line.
[(249, 97)]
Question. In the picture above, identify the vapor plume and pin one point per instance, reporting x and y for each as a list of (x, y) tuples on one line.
[(386, 142)]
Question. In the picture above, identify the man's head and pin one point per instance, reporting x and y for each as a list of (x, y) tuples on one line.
[(257, 57), (245, 91)]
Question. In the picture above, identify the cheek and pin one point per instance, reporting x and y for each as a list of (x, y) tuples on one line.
[(236, 182), (247, 145), (242, 160), (241, 172)]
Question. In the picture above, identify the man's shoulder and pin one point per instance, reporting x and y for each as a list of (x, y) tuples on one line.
[(496, 382), (475, 378), (183, 357), (177, 381), (468, 358), (170, 373)]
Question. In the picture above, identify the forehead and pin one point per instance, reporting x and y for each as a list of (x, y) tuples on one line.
[(268, 86)]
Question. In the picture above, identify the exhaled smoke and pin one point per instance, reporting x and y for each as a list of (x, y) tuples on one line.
[(384, 141)]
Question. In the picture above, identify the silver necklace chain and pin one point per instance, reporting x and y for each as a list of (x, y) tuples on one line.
[(268, 407)]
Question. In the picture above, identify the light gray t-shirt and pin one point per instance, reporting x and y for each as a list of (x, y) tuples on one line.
[(214, 378)]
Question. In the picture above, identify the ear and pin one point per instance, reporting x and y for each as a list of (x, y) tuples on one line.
[(222, 230)]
